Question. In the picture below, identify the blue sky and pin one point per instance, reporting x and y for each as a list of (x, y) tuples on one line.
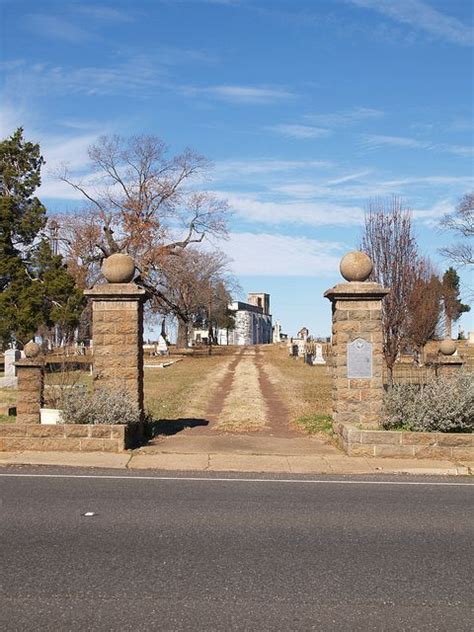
[(308, 109)]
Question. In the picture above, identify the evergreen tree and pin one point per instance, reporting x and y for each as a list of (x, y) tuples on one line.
[(453, 307), (35, 287)]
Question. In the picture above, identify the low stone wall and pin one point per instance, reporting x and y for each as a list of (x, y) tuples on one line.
[(391, 443), (69, 437)]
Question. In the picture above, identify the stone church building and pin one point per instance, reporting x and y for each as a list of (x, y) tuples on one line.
[(253, 323)]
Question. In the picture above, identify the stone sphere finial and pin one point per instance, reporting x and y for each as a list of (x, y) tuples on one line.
[(118, 268), (447, 347), (356, 266), (32, 349)]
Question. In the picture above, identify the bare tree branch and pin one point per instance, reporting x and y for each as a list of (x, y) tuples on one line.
[(461, 223)]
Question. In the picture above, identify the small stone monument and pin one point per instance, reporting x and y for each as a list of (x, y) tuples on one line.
[(10, 357), (117, 328), (277, 332), (162, 346), (357, 343), (318, 357)]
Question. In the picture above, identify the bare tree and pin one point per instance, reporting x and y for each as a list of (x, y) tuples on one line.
[(424, 307), (461, 223), (191, 282), (140, 201), (389, 241)]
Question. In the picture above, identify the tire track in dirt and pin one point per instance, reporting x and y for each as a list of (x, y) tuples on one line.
[(222, 390), (278, 413)]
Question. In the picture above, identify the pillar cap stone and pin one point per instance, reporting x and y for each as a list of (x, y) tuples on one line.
[(118, 268), (356, 291), (117, 292), (447, 347), (356, 266), (32, 350)]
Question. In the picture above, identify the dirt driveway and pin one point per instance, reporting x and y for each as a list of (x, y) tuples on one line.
[(245, 400)]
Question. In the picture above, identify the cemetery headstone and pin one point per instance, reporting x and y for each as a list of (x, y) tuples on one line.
[(318, 357), (10, 357), (162, 346)]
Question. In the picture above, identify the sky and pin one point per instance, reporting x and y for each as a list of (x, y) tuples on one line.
[(308, 109)]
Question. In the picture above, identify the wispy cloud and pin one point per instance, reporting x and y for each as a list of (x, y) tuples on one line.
[(350, 177), (458, 150), (136, 75), (270, 254), (56, 27), (265, 166), (431, 216), (344, 118), (103, 12), (376, 141), (420, 15), (459, 181), (77, 23), (292, 130), (258, 95), (251, 208)]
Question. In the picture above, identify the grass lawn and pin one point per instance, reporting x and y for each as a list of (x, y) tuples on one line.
[(183, 389), (305, 389)]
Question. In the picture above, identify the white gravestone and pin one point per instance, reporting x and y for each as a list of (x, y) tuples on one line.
[(318, 358), (277, 333), (10, 357), (162, 346)]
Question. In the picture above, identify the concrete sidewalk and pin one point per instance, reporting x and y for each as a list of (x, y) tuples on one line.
[(234, 453)]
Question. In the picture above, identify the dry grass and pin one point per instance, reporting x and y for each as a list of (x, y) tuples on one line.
[(184, 389), (244, 408), (306, 390), (8, 395)]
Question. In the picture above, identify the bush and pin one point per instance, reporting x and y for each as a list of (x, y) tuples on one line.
[(103, 406), (446, 404)]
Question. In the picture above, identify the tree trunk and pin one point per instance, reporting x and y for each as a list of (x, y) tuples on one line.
[(390, 375), (182, 340), (448, 326)]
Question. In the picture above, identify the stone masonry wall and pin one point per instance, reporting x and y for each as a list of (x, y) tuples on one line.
[(117, 334), (357, 313), (30, 391), (392, 443), (68, 437), (357, 319)]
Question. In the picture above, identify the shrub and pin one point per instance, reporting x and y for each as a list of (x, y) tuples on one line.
[(103, 406), (446, 404)]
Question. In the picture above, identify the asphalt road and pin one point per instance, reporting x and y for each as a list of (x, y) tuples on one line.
[(303, 553)]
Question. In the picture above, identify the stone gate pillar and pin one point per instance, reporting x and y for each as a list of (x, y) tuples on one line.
[(357, 343), (30, 374), (117, 328)]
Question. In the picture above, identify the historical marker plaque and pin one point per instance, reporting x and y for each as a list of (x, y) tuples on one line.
[(359, 359)]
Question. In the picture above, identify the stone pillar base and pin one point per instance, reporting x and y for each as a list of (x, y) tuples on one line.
[(357, 348), (117, 336), (30, 374)]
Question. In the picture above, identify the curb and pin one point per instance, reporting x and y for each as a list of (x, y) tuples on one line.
[(225, 462)]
